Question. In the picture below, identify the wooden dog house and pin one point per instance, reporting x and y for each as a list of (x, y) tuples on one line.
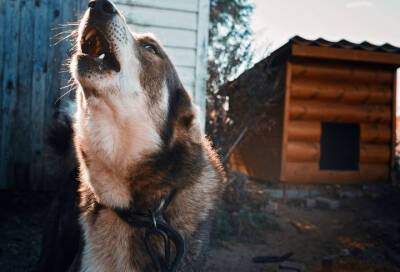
[(334, 115)]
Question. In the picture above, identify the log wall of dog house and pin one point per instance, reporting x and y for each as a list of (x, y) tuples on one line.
[(337, 93), (259, 154)]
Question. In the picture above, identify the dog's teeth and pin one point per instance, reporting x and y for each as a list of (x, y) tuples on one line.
[(102, 56)]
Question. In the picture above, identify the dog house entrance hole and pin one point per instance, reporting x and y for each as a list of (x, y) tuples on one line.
[(340, 146)]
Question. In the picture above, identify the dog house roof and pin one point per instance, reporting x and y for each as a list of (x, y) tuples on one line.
[(345, 44), (321, 48), (297, 46)]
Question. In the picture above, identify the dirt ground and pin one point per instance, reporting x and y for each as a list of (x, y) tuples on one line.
[(22, 220), (363, 234)]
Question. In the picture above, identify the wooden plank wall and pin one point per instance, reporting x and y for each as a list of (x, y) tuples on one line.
[(30, 82), (338, 93), (259, 153), (258, 134), (182, 27)]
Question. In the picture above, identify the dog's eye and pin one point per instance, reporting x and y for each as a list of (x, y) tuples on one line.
[(151, 48)]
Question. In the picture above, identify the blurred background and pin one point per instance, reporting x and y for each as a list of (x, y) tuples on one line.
[(298, 97)]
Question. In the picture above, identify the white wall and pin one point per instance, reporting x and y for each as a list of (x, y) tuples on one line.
[(182, 27)]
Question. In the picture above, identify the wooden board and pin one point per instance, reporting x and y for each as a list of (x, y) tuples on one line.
[(311, 132), (303, 151), (38, 102), (2, 47), (54, 62), (9, 89), (342, 72), (202, 59), (187, 76), (236, 163), (312, 51), (286, 117), (304, 131), (183, 60), (148, 16), (375, 153), (171, 37), (310, 152), (338, 112), (309, 173), (181, 56), (81, 7), (351, 92), (21, 140), (394, 127), (3, 167), (184, 5), (375, 133)]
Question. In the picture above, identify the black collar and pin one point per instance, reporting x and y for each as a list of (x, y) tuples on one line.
[(156, 226)]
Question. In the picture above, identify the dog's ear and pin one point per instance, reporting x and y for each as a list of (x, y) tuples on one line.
[(183, 121), (187, 113)]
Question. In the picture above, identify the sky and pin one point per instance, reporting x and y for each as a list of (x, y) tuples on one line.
[(274, 22)]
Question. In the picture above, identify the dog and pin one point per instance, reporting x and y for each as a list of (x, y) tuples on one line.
[(149, 181)]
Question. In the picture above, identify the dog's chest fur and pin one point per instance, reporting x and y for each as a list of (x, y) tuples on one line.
[(110, 141), (107, 244), (116, 128), (110, 244)]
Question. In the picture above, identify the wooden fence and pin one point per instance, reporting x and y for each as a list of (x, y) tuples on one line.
[(30, 82)]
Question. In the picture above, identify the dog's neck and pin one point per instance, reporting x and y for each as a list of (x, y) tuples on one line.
[(111, 136)]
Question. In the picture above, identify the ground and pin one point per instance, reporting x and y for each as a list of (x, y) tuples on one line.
[(22, 220), (362, 234)]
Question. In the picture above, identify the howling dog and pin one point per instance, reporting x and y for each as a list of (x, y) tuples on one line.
[(148, 179)]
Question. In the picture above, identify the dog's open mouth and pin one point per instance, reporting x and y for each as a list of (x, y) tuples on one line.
[(96, 46)]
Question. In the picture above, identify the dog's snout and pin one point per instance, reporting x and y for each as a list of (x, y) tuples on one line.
[(102, 6)]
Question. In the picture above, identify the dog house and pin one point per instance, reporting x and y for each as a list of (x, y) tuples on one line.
[(332, 118)]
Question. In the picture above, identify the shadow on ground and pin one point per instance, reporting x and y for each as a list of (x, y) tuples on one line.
[(362, 234), (358, 229)]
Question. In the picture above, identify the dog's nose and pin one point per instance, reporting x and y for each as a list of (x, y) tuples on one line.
[(102, 6)]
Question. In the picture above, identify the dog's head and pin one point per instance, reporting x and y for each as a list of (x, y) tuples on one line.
[(131, 104), (111, 63)]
